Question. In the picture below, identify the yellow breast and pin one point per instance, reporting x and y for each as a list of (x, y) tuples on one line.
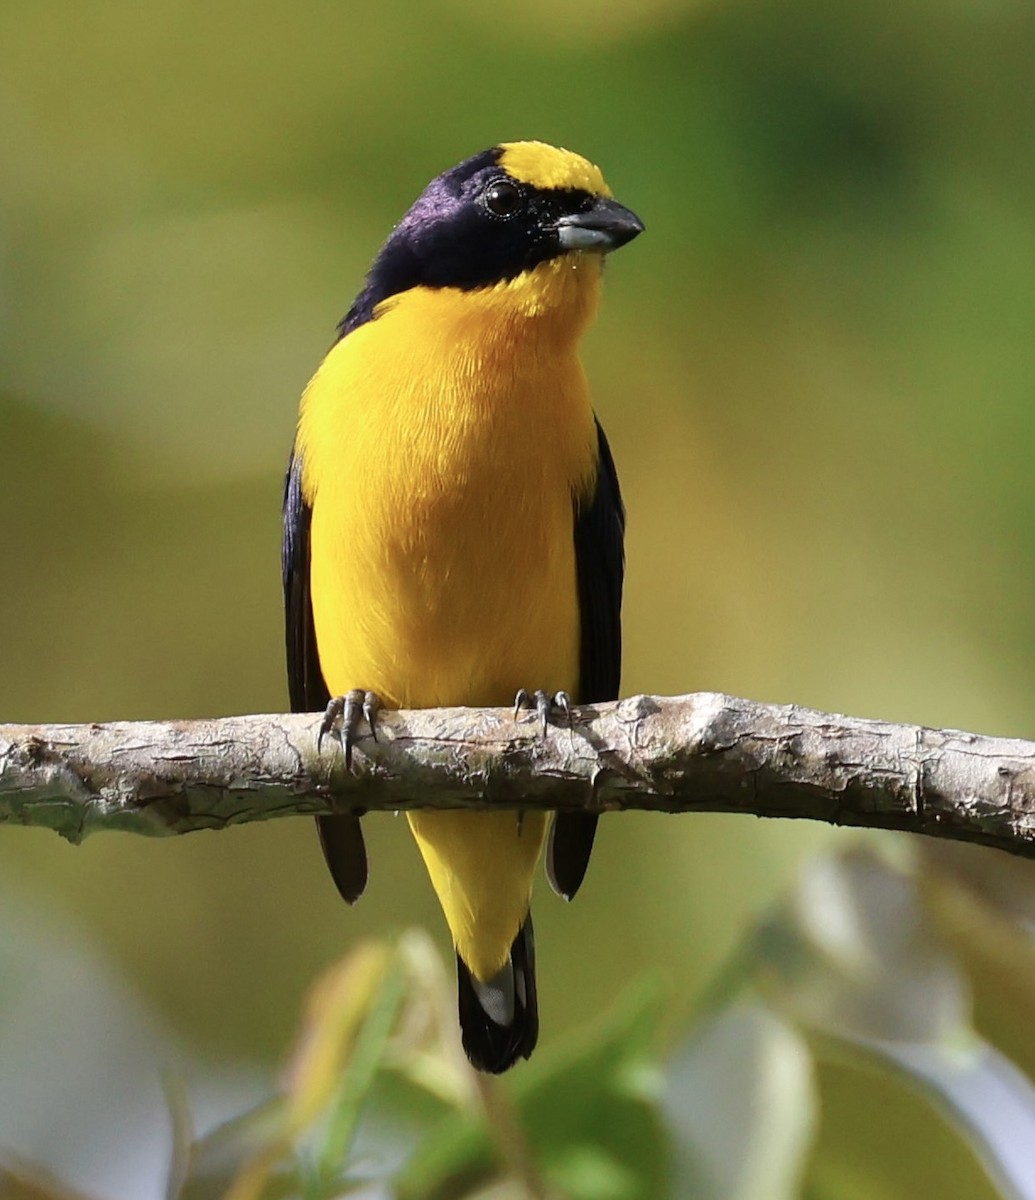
[(442, 444)]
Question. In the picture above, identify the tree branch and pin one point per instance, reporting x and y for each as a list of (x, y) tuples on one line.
[(700, 753)]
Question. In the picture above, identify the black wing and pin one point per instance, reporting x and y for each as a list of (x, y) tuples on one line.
[(340, 836), (600, 565)]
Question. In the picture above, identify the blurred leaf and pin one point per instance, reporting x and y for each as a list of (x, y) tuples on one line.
[(374, 1067), (182, 1135), (881, 1138), (584, 1115), (79, 1092), (741, 1105), (339, 1008), (367, 1058), (856, 953), (987, 1099), (373, 1043), (426, 1048), (984, 902), (23, 1181), (858, 960), (347, 1001), (1001, 883), (216, 1158)]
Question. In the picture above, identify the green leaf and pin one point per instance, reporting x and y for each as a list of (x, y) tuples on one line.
[(581, 1119), (368, 1053)]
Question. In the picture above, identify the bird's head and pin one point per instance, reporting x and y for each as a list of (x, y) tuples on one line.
[(496, 218)]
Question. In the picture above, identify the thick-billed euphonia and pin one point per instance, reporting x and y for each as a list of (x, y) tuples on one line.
[(453, 528)]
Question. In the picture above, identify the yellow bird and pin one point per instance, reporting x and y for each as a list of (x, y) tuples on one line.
[(453, 528)]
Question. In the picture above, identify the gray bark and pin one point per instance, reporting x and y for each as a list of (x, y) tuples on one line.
[(699, 753)]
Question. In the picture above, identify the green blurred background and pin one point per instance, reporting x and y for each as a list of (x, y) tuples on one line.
[(815, 368)]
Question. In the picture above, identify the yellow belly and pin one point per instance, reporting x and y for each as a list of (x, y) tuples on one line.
[(441, 480), (481, 865)]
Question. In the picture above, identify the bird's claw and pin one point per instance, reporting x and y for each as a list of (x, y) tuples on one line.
[(342, 718), (543, 703)]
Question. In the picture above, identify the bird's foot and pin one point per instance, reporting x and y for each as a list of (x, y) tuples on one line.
[(343, 716), (544, 705)]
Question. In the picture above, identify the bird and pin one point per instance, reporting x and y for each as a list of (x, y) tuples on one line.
[(453, 531)]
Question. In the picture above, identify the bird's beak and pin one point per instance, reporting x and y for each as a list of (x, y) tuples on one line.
[(605, 227)]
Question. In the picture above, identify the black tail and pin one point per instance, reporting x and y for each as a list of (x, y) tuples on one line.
[(499, 1020)]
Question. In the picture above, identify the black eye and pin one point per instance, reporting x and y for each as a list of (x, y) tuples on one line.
[(503, 198)]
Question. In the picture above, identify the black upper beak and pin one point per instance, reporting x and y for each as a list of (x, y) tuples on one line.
[(604, 227)]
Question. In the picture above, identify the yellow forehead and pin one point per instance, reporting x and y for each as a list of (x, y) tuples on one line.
[(543, 166)]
